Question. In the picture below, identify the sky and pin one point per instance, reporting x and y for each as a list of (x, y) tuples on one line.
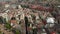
[(4, 0)]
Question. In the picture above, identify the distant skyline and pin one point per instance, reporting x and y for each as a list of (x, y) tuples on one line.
[(4, 0)]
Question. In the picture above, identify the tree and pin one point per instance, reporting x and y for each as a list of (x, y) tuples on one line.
[(8, 26), (17, 32)]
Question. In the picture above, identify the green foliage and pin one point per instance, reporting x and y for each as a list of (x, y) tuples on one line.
[(59, 0), (25, 6), (8, 26), (1, 32), (17, 32)]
